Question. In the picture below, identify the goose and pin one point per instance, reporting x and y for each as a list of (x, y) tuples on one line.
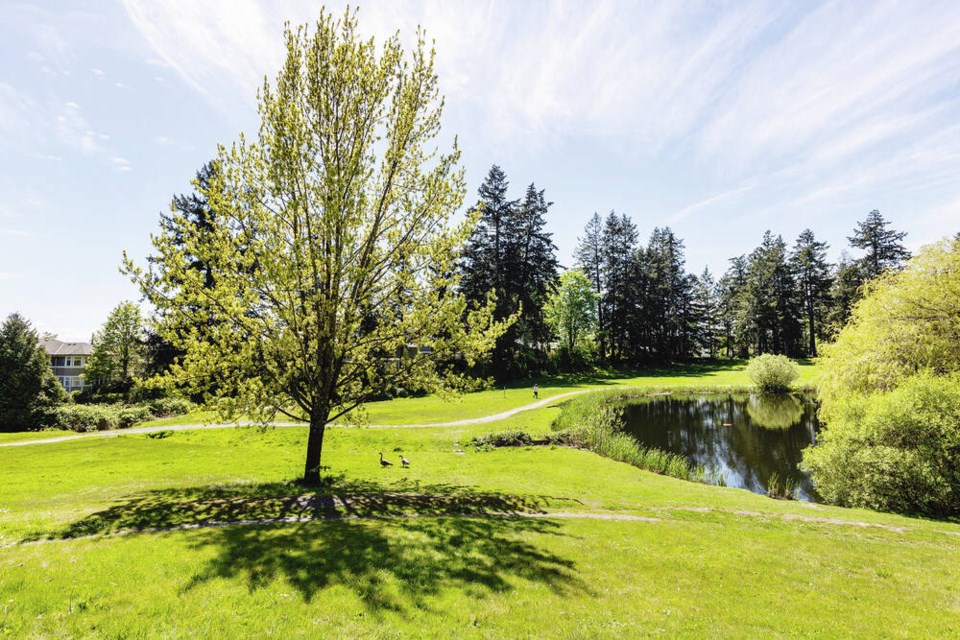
[(404, 462), (384, 463)]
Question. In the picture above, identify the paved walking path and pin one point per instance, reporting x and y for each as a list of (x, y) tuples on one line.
[(189, 427)]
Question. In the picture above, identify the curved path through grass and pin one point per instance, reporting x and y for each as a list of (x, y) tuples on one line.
[(539, 404)]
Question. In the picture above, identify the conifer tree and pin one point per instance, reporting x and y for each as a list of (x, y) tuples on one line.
[(669, 296), (619, 246), (773, 298), (511, 254), (809, 263), (734, 308), (531, 266), (28, 389), (883, 246)]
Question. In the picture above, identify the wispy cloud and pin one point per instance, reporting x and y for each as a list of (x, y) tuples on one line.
[(121, 164), (222, 49), (711, 201), (803, 106)]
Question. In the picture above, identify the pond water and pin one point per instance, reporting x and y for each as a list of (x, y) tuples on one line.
[(743, 438)]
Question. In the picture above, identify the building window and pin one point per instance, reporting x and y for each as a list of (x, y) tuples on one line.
[(58, 361)]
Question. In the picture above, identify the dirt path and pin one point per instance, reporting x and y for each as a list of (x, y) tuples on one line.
[(190, 427), (561, 515)]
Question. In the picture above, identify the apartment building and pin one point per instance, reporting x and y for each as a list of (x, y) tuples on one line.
[(68, 360)]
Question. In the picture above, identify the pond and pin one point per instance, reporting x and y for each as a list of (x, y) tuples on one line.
[(743, 438)]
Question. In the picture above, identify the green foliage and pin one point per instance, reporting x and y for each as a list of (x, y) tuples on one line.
[(907, 322), (809, 263), (883, 251), (571, 309), (89, 417), (29, 392), (781, 488), (888, 392), (103, 417), (503, 439), (166, 407), (134, 414), (510, 255), (883, 246), (117, 349), (772, 373), (332, 247), (893, 451)]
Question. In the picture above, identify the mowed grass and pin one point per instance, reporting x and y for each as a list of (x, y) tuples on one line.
[(98, 540)]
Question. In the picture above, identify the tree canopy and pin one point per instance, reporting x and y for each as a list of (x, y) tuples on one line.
[(28, 388), (511, 256), (332, 247), (888, 391), (571, 309), (118, 348)]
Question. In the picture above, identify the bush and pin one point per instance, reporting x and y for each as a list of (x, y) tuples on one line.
[(894, 451), (772, 374), (87, 417), (506, 439), (131, 415), (165, 407)]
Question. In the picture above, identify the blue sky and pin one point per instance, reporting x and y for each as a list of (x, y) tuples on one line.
[(718, 119)]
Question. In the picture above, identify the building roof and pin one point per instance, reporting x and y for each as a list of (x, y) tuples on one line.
[(60, 348)]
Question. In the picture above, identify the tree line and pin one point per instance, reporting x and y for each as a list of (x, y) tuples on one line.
[(645, 307)]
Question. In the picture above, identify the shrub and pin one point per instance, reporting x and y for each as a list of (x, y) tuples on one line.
[(506, 439), (87, 417), (772, 374), (131, 415), (894, 451), (165, 407)]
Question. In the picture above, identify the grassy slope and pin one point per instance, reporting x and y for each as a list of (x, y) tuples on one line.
[(707, 561)]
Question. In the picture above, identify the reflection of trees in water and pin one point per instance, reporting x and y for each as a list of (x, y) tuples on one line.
[(722, 433), (775, 411)]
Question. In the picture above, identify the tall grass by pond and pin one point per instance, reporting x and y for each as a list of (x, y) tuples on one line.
[(595, 422)]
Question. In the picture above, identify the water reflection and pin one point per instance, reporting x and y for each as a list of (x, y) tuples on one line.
[(744, 438), (780, 411)]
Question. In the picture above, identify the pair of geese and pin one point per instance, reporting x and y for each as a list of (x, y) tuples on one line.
[(387, 463)]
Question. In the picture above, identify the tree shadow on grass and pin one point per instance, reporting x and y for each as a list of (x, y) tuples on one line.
[(612, 376), (392, 546), (390, 566)]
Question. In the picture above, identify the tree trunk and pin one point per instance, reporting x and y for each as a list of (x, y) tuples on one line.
[(311, 472), (813, 337)]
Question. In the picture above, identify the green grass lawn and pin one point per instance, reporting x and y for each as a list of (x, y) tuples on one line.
[(106, 537)]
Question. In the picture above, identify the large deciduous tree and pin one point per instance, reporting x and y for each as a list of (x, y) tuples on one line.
[(589, 257), (571, 309), (28, 388), (118, 349), (332, 246)]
